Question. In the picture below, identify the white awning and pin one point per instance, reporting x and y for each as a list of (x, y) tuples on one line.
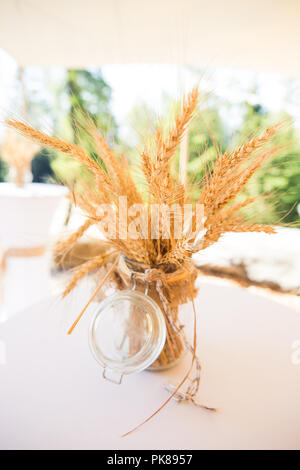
[(256, 34)]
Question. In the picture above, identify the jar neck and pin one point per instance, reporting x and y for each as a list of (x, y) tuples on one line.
[(136, 267)]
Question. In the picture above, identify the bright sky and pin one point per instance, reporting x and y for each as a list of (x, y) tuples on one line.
[(132, 84)]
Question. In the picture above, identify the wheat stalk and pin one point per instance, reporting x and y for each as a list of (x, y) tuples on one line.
[(74, 237), (157, 170), (85, 269)]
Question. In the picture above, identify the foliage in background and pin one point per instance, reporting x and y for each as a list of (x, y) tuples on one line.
[(85, 92), (89, 93), (276, 185), (55, 104), (3, 170), (279, 179), (41, 168)]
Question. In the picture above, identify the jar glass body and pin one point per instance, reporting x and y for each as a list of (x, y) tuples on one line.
[(174, 347), (127, 333), (136, 328)]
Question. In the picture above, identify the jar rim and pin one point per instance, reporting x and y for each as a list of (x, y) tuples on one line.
[(149, 352)]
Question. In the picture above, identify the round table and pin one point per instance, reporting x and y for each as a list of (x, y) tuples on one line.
[(53, 396)]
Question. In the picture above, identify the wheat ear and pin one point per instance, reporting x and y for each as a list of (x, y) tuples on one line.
[(85, 269), (63, 245)]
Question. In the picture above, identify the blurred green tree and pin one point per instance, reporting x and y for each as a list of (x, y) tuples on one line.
[(279, 178), (83, 92), (3, 170), (56, 99), (42, 171), (88, 93)]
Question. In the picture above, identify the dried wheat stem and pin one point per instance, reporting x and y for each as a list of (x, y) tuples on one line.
[(106, 277), (256, 143), (85, 269), (55, 144), (157, 170), (63, 245)]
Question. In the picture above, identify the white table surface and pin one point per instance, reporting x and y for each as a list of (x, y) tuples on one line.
[(52, 395)]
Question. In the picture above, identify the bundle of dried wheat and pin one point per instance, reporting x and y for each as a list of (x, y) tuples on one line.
[(113, 180), (18, 153), (148, 217)]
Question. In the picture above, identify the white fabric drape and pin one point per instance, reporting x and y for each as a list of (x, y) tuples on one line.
[(77, 33)]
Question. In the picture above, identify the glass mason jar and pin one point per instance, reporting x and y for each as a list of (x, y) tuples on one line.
[(131, 331)]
